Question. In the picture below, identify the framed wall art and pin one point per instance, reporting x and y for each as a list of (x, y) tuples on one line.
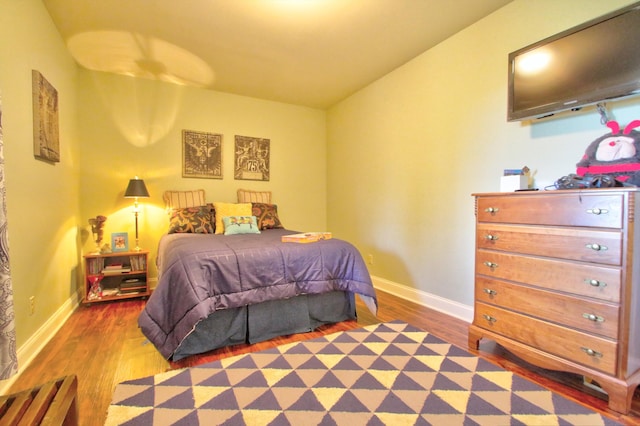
[(251, 158), (201, 155), (119, 241), (46, 139)]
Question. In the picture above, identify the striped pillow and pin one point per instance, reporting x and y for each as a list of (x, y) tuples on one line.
[(247, 196), (184, 199)]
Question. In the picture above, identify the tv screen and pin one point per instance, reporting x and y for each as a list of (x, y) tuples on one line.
[(591, 63)]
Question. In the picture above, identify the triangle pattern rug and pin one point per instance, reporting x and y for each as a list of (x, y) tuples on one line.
[(383, 374)]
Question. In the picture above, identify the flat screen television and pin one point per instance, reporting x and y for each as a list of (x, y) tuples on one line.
[(591, 63)]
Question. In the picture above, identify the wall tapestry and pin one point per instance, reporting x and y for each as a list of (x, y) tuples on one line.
[(46, 140), (201, 155), (252, 158), (8, 352)]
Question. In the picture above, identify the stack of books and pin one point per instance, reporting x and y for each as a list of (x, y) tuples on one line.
[(95, 266), (131, 285), (116, 268), (138, 263)]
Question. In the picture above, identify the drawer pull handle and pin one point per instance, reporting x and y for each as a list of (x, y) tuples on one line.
[(489, 318), (596, 283), (597, 211), (491, 210), (593, 317), (591, 352), (490, 292), (491, 264), (597, 247), (491, 237)]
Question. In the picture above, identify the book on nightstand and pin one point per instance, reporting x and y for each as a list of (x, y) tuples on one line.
[(115, 269), (306, 237), (131, 283)]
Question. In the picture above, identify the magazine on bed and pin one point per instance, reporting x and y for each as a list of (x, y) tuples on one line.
[(306, 237)]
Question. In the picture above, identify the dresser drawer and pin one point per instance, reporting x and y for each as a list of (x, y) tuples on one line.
[(596, 246), (600, 282), (583, 348), (587, 315), (577, 208)]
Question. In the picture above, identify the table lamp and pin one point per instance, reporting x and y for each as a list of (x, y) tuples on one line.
[(136, 189)]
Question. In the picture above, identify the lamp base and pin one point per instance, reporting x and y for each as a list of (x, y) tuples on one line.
[(137, 239)]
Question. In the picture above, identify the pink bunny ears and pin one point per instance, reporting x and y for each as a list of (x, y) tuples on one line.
[(615, 127)]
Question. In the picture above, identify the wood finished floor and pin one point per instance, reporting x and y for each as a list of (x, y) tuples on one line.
[(103, 346)]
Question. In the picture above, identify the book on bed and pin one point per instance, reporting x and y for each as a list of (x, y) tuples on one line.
[(306, 237)]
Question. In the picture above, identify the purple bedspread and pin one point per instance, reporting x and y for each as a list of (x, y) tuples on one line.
[(202, 273)]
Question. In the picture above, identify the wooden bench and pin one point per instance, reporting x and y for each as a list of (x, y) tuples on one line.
[(54, 403)]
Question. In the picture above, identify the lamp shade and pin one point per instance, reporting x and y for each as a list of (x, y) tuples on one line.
[(136, 188)]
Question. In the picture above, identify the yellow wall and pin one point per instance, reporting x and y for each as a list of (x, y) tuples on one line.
[(111, 129), (134, 127), (42, 198), (415, 144)]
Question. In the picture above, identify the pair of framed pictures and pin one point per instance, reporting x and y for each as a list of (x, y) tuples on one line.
[(202, 156)]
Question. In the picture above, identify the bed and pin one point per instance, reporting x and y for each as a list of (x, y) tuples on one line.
[(221, 289)]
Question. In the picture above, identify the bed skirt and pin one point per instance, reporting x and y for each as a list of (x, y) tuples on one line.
[(264, 321)]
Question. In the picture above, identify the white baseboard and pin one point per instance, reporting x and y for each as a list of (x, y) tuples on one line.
[(32, 347), (440, 304)]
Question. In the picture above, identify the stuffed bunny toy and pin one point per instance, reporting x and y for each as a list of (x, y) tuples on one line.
[(616, 154)]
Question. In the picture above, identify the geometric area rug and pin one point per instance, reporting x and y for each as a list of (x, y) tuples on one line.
[(384, 374)]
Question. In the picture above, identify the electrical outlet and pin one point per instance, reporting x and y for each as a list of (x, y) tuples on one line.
[(32, 305), (370, 259)]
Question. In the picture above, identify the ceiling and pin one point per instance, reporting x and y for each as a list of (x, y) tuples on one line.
[(305, 52)]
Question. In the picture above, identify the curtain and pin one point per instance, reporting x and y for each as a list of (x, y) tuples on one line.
[(8, 353)]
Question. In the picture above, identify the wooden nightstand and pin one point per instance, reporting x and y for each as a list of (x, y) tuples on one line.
[(124, 276)]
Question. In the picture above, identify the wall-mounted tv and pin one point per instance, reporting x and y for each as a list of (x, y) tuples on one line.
[(593, 62)]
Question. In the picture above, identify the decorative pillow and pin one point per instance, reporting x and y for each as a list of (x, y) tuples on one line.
[(195, 220), (240, 225), (182, 199), (267, 215), (229, 209), (247, 196)]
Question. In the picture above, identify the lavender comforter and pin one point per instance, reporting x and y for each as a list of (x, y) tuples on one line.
[(200, 274)]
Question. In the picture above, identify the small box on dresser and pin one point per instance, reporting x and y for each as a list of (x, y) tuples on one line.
[(557, 282)]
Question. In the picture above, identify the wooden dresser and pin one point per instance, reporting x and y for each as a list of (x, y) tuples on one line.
[(557, 282)]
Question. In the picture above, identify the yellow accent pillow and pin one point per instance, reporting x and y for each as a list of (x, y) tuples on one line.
[(229, 209)]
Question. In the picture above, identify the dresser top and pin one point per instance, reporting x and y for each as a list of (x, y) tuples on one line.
[(590, 191)]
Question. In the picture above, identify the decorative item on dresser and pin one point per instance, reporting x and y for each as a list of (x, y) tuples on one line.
[(557, 282)]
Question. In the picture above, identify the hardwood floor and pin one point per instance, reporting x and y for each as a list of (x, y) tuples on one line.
[(103, 346)]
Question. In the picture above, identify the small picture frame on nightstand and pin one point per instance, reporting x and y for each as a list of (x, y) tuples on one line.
[(119, 241)]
